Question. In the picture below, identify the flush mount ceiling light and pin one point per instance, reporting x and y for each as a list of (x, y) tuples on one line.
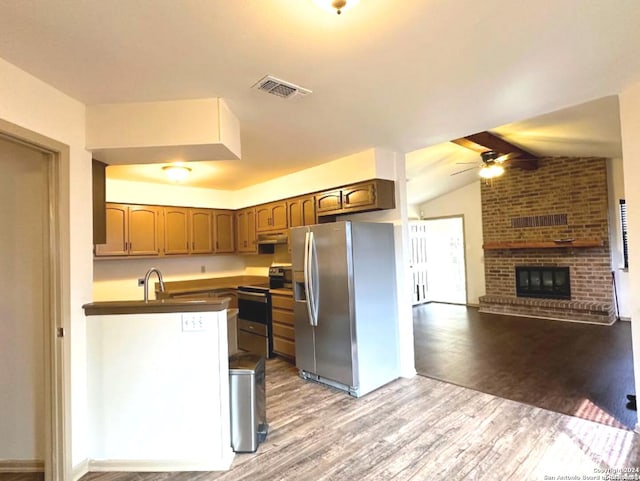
[(338, 6), (176, 173)]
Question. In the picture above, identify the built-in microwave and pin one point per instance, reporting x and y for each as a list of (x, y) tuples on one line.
[(281, 277)]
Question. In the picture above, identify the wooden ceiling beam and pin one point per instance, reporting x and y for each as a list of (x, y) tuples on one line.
[(486, 141)]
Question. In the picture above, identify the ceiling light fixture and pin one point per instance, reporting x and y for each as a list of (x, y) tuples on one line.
[(491, 170), (492, 167), (338, 6), (176, 173)]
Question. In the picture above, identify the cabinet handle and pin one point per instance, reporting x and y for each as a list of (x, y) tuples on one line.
[(217, 245)]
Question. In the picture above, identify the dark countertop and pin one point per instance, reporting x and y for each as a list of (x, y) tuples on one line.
[(156, 306)]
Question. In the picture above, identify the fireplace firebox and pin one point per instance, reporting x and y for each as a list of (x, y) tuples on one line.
[(543, 282)]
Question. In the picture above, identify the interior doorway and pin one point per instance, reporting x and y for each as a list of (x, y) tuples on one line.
[(23, 243), (33, 426), (437, 260)]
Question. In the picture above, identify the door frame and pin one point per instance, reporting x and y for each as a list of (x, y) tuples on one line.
[(464, 249), (57, 387)]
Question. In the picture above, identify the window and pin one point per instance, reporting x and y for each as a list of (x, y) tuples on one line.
[(623, 226)]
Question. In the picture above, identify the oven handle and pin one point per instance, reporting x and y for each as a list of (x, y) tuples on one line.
[(253, 296)]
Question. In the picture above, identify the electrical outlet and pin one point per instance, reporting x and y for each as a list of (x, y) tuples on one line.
[(141, 282), (192, 323)]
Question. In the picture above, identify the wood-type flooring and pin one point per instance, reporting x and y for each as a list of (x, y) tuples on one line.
[(412, 429), (579, 369)]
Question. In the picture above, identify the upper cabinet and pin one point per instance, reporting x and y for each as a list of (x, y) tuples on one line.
[(201, 231), (375, 194), (177, 235), (223, 232), (139, 230), (246, 231), (271, 217), (132, 230), (301, 211)]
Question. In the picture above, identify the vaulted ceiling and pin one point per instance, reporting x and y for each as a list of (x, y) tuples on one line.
[(398, 75)]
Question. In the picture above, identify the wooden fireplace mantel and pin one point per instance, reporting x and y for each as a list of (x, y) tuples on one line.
[(551, 244)]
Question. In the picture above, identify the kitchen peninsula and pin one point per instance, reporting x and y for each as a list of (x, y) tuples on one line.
[(158, 386)]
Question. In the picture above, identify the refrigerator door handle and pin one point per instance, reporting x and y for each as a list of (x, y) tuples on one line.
[(313, 272), (307, 283)]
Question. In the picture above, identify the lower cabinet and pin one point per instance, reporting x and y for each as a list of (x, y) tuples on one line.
[(284, 339)]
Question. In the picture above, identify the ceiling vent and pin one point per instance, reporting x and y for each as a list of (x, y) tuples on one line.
[(280, 88)]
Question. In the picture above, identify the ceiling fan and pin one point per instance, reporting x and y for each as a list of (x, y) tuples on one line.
[(495, 153)]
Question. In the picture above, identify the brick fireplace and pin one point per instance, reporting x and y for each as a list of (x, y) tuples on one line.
[(549, 220)]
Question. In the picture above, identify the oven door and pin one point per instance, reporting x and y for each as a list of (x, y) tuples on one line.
[(254, 313)]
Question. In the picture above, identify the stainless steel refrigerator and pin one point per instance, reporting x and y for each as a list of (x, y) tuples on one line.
[(346, 327)]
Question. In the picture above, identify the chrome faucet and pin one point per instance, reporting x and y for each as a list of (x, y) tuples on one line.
[(146, 282)]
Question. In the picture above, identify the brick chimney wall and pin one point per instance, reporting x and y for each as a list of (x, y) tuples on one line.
[(570, 192)]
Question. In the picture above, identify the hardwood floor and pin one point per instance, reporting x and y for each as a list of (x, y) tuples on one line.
[(578, 369), (412, 429)]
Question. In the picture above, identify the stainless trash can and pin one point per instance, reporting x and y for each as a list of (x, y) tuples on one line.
[(247, 402)]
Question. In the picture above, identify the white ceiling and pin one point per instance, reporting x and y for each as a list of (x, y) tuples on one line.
[(397, 75)]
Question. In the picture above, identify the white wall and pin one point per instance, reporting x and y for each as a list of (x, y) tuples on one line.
[(615, 180), (465, 202), (630, 126), (125, 191), (34, 105), (345, 170)]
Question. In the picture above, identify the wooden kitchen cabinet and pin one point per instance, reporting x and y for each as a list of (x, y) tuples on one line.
[(187, 231), (201, 231), (271, 217), (282, 317), (246, 231), (177, 238), (375, 194), (329, 202), (301, 211), (223, 231), (132, 230)]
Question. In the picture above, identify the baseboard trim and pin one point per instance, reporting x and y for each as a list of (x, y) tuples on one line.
[(141, 465), (21, 466), (80, 470)]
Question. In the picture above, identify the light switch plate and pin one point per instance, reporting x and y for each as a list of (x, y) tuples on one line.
[(192, 322)]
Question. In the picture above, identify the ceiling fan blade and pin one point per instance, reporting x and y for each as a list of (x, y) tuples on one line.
[(465, 170)]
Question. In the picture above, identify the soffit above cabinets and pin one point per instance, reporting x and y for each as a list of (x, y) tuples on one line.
[(156, 132)]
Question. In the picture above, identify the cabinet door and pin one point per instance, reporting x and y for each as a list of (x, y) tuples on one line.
[(252, 236), (308, 207), (176, 230), (241, 231), (329, 201), (117, 244), (144, 230), (201, 231), (246, 230), (279, 216), (359, 196), (294, 213), (263, 218), (223, 229)]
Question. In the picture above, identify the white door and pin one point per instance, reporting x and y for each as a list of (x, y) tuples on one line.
[(446, 275), (419, 255), (24, 241)]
